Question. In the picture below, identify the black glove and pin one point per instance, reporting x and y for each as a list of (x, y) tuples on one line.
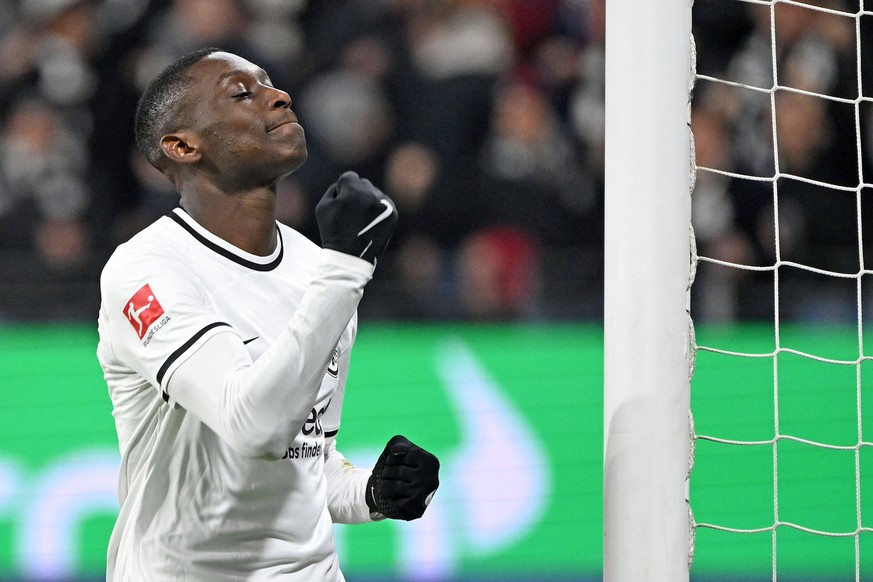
[(403, 481), (355, 218)]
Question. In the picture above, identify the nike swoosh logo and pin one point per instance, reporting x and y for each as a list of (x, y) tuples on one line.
[(385, 214), (248, 341)]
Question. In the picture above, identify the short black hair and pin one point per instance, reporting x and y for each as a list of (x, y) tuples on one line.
[(160, 104)]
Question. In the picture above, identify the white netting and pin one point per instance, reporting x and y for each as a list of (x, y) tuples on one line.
[(783, 128)]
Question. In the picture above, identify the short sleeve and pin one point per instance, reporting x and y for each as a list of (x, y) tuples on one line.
[(155, 312)]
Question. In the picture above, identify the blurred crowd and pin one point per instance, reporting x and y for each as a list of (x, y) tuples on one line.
[(482, 119), (797, 160)]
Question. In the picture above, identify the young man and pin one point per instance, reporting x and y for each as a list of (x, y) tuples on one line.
[(225, 340)]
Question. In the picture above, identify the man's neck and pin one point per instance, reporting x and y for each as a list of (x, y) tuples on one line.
[(246, 220)]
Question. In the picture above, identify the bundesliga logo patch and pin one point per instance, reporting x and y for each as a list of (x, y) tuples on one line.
[(142, 310)]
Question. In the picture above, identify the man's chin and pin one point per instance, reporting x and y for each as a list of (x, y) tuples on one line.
[(295, 161)]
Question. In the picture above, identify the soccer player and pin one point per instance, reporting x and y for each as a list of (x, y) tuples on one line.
[(225, 340)]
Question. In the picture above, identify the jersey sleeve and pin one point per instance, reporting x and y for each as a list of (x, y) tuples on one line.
[(259, 407), (155, 312), (346, 487)]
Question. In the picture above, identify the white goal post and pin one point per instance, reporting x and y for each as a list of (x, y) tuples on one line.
[(646, 326)]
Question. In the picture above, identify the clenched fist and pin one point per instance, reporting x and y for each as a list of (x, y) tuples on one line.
[(356, 218), (403, 481)]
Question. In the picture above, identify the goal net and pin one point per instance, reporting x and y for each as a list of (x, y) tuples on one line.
[(770, 337), (782, 209)]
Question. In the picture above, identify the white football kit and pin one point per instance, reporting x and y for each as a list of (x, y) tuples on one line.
[(227, 373)]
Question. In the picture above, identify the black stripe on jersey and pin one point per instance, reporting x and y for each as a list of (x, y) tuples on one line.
[(175, 355), (229, 254), (330, 433)]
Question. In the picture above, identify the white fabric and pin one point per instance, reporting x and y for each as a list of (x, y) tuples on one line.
[(346, 486), (225, 463)]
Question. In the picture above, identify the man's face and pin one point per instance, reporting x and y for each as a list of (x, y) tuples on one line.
[(249, 136)]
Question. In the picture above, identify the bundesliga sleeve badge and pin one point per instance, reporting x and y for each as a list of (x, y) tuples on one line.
[(142, 310)]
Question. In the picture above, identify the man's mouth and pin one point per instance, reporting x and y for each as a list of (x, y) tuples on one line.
[(281, 124)]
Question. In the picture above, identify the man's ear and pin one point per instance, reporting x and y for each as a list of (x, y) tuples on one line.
[(181, 148)]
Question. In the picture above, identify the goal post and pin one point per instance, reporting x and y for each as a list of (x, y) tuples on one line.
[(646, 325)]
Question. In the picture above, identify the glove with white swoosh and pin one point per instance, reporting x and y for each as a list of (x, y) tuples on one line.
[(356, 218), (403, 481)]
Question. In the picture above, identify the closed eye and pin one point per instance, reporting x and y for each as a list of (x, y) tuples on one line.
[(243, 95)]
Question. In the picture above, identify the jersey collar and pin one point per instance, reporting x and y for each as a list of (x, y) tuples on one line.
[(224, 248)]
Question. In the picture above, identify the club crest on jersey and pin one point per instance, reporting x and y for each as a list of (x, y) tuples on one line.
[(142, 310), (333, 366)]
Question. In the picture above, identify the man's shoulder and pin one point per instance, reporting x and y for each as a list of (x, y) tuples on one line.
[(158, 241), (291, 236), (297, 244)]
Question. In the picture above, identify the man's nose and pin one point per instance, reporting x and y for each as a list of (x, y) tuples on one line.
[(280, 99)]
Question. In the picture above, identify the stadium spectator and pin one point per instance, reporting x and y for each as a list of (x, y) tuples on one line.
[(427, 73), (812, 157), (498, 275)]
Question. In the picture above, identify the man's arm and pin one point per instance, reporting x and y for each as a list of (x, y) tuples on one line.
[(259, 407), (346, 487)]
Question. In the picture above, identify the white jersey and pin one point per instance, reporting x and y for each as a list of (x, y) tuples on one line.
[(228, 466)]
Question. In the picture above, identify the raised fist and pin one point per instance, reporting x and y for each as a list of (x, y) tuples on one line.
[(355, 217)]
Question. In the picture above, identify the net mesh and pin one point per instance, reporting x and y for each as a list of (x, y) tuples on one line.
[(782, 119)]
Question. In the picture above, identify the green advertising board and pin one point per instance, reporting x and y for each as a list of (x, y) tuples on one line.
[(514, 414), (787, 478)]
